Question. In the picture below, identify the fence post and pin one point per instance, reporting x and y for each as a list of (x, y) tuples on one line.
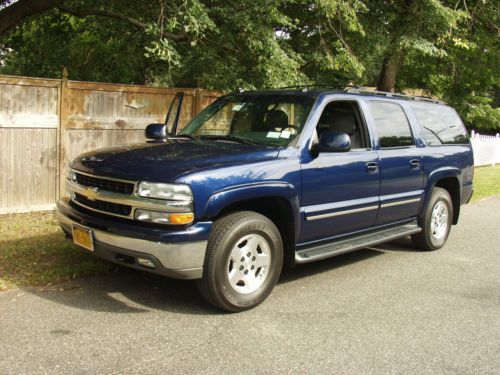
[(496, 154), (198, 95), (62, 141)]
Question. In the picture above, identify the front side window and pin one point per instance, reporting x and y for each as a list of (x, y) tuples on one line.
[(392, 126), (344, 117), (274, 120)]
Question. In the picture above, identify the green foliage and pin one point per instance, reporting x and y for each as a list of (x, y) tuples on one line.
[(91, 50), (447, 48)]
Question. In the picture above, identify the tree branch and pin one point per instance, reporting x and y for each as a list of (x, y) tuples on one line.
[(82, 13), (14, 14)]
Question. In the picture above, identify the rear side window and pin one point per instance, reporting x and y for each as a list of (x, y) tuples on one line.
[(392, 125), (440, 125)]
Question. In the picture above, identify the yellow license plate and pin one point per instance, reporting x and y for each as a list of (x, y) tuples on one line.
[(83, 237)]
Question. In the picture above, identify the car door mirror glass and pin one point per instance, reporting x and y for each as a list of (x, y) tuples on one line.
[(156, 131), (333, 141)]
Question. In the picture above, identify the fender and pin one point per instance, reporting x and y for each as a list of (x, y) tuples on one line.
[(437, 175), (225, 197)]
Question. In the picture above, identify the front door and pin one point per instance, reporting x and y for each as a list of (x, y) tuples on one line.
[(340, 190)]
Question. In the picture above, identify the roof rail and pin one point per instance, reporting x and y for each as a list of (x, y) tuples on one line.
[(307, 87), (361, 90), (353, 89)]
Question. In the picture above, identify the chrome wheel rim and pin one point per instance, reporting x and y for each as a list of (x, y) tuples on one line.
[(439, 221), (249, 263)]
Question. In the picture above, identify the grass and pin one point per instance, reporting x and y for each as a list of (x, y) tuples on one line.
[(486, 182), (34, 251)]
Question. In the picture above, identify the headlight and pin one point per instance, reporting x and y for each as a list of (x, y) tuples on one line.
[(164, 217), (176, 192)]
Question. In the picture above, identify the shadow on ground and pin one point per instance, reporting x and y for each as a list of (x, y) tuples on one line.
[(44, 259), (125, 290)]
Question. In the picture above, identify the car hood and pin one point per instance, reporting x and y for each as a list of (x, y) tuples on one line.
[(163, 162)]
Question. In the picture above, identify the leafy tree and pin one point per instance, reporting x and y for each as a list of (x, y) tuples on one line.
[(450, 49)]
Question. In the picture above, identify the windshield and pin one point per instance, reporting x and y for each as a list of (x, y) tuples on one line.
[(274, 120)]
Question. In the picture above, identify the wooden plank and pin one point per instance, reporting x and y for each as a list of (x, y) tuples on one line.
[(29, 81), (63, 136), (27, 160), (109, 123), (115, 87), (28, 121)]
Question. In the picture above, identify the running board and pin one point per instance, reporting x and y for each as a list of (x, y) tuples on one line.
[(355, 243)]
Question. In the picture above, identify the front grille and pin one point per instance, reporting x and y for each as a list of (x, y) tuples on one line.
[(105, 184), (113, 208)]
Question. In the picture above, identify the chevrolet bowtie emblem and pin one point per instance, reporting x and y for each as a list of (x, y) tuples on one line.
[(92, 193)]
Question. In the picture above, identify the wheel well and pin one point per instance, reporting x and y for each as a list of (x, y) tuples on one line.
[(279, 211), (452, 185)]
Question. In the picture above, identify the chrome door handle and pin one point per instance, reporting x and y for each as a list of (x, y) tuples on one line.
[(414, 164), (372, 167)]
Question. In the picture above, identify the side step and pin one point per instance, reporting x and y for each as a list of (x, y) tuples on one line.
[(355, 243)]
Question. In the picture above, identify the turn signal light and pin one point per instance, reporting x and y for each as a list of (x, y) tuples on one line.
[(181, 218)]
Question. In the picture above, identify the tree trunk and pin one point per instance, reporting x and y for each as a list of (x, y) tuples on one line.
[(389, 72), (17, 12)]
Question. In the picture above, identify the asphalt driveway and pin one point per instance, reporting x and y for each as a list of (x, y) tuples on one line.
[(388, 309)]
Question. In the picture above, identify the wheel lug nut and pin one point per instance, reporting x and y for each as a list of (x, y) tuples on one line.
[(246, 271), (241, 268), (252, 267), (248, 254), (253, 258), (242, 259)]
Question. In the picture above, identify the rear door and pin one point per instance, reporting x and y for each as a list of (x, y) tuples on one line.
[(400, 160)]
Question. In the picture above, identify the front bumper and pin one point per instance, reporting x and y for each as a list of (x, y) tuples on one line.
[(182, 259)]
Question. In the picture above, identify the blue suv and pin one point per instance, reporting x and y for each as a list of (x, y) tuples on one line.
[(263, 179)]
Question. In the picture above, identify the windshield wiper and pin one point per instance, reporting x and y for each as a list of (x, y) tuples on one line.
[(240, 139), (189, 136), (231, 138)]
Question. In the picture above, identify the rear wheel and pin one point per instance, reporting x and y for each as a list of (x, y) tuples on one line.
[(243, 261), (436, 222)]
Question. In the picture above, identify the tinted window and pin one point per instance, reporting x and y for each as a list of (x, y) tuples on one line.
[(392, 125), (440, 124)]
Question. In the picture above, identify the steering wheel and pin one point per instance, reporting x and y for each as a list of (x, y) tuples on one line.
[(294, 129)]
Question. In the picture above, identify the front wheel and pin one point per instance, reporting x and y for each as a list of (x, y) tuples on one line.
[(436, 221), (243, 261)]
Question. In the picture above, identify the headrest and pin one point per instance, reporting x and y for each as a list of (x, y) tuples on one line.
[(277, 119), (343, 122)]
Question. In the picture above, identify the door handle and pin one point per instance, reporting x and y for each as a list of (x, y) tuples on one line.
[(372, 167), (415, 164)]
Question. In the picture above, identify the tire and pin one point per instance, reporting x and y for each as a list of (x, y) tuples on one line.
[(436, 221), (243, 261)]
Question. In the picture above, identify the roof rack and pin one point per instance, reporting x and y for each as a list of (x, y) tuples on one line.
[(307, 87), (362, 90)]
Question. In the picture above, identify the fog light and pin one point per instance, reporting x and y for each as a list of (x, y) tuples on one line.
[(152, 216), (145, 263), (160, 217)]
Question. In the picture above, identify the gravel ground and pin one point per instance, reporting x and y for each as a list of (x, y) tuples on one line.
[(388, 309)]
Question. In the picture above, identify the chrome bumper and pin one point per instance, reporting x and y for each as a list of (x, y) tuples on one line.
[(182, 261)]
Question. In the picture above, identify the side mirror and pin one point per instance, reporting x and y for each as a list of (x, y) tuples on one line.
[(332, 141), (156, 131)]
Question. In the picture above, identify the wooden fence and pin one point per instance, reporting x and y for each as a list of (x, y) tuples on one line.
[(44, 123)]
